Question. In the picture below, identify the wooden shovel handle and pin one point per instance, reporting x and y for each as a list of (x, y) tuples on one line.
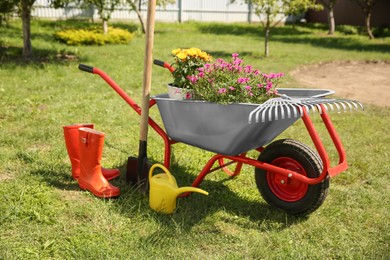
[(148, 62)]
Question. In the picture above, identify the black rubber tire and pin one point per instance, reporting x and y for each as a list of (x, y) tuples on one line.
[(305, 160)]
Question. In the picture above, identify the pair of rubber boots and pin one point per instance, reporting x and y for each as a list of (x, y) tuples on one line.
[(85, 149)]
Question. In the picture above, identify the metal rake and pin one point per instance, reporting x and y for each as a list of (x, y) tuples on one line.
[(287, 107)]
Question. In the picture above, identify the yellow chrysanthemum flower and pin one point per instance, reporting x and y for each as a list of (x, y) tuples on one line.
[(176, 51), (204, 56), (181, 55)]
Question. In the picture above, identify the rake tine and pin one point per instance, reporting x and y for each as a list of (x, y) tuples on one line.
[(251, 114), (282, 106), (318, 106), (344, 107), (270, 113), (354, 104), (295, 110), (263, 114), (264, 111), (337, 106), (349, 105), (300, 110), (328, 108), (360, 104)]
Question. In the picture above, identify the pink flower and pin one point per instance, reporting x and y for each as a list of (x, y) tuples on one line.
[(248, 88), (192, 79), (248, 69), (222, 90), (237, 61), (232, 88), (201, 74), (235, 55), (242, 80), (269, 85)]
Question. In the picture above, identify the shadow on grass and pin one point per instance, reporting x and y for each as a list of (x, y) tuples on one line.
[(335, 42), (197, 208), (60, 179), (299, 34), (248, 29), (10, 55)]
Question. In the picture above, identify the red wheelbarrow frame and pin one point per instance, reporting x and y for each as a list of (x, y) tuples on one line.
[(283, 174)]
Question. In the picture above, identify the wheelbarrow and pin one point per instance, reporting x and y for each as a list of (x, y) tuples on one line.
[(289, 174)]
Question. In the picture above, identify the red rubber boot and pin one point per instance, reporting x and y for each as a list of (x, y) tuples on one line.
[(71, 134), (91, 178)]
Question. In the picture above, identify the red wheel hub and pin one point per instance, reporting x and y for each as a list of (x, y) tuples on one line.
[(284, 188)]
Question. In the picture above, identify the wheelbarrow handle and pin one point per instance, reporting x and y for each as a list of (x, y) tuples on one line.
[(164, 65), (86, 68)]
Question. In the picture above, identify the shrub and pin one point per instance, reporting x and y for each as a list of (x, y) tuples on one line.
[(94, 36)]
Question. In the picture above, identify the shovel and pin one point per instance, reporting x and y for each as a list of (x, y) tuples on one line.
[(138, 168)]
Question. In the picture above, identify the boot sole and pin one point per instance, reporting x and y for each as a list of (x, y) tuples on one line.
[(84, 186)]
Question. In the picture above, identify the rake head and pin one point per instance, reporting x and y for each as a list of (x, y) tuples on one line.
[(286, 107)]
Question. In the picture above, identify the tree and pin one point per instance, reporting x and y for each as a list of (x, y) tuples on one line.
[(7, 7), (272, 8), (135, 5), (24, 9), (105, 9), (329, 6), (367, 6)]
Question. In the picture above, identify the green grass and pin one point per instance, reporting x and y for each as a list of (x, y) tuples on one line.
[(45, 215)]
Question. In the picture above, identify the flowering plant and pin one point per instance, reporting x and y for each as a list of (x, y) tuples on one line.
[(187, 61), (233, 82)]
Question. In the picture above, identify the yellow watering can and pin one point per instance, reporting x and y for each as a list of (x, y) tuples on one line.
[(164, 190)]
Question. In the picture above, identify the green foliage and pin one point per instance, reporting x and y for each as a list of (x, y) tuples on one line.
[(7, 7), (348, 29), (94, 36), (233, 81), (186, 63)]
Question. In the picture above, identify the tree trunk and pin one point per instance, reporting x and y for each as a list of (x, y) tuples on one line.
[(141, 20), (26, 18), (331, 21), (266, 48), (105, 26), (266, 38), (367, 21)]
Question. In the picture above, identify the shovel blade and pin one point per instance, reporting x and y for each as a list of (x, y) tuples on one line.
[(137, 173)]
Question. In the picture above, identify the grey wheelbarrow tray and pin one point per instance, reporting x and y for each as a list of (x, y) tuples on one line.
[(224, 129), (294, 179)]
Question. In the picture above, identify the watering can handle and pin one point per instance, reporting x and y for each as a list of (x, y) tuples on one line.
[(157, 165)]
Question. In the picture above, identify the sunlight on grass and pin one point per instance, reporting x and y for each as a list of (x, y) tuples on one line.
[(44, 214)]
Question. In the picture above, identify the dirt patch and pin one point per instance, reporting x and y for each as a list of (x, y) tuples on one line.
[(367, 82), (5, 177)]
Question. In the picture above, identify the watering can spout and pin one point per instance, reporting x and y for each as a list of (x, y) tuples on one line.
[(191, 189)]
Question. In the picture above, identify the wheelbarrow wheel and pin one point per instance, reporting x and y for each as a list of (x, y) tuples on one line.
[(292, 196)]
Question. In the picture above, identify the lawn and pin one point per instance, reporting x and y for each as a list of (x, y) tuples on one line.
[(44, 214)]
